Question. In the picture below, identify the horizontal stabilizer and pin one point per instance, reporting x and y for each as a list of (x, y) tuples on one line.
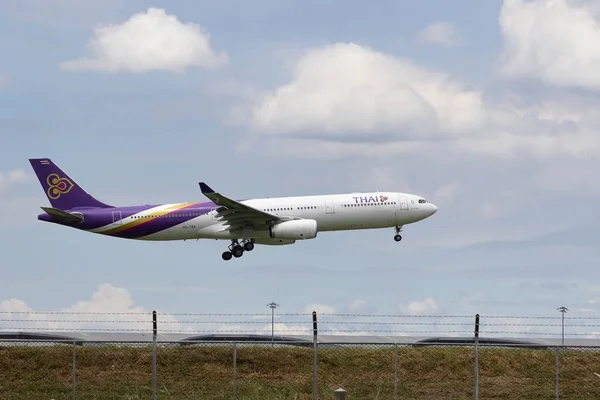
[(61, 215)]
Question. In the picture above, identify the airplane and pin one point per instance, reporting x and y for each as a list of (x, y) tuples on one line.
[(246, 223)]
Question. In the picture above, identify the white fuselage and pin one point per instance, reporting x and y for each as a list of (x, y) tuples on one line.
[(336, 212)]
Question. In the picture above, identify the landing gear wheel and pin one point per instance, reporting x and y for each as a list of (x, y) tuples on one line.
[(398, 238), (248, 246), (226, 255), (237, 251)]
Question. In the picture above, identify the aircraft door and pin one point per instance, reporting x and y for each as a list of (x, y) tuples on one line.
[(116, 215), (403, 203), (329, 207)]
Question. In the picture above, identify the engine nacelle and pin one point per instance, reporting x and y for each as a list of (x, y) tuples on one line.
[(297, 229)]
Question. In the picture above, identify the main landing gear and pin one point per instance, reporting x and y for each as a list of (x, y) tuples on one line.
[(237, 250), (398, 238)]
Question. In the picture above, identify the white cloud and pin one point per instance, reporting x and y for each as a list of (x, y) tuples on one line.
[(287, 329), (360, 306), (439, 33), (345, 100), (109, 308), (15, 176), (417, 307), (113, 308), (346, 88), (331, 149), (14, 305), (151, 40), (555, 41), (319, 308), (107, 299)]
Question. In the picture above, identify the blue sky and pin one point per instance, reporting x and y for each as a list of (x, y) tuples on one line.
[(489, 109)]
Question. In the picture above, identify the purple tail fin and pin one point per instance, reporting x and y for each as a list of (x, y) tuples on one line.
[(61, 190)]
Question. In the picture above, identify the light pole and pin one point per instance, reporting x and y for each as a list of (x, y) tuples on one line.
[(273, 306), (563, 310)]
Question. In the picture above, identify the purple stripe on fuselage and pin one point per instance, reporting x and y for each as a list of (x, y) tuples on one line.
[(160, 224), (96, 217), (100, 217), (170, 220)]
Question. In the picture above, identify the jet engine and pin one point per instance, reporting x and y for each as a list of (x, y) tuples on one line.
[(297, 229)]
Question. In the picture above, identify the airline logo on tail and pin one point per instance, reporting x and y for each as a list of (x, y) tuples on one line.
[(58, 186)]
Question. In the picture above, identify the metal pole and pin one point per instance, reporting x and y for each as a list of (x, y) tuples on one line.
[(395, 371), (563, 310), (476, 356), (557, 371), (154, 331), (273, 305), (234, 371), (74, 373), (314, 318)]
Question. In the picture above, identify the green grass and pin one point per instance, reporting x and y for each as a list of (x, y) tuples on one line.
[(366, 372)]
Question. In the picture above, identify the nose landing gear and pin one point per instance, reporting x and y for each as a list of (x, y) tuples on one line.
[(237, 250)]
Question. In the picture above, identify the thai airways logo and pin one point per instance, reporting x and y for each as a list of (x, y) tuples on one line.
[(58, 186), (370, 199)]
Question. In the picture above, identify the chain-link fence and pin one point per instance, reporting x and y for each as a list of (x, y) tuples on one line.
[(34, 369)]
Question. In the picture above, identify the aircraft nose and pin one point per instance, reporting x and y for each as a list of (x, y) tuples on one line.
[(433, 208)]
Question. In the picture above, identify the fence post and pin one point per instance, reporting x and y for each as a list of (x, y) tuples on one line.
[(234, 371), (557, 371), (154, 355), (74, 372), (341, 394), (314, 318), (476, 356), (395, 371)]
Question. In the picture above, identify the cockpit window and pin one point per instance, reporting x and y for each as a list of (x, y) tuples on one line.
[(422, 201)]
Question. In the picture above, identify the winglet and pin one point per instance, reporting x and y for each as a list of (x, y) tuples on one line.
[(205, 188)]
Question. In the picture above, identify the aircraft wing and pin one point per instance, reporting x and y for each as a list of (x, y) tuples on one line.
[(236, 214)]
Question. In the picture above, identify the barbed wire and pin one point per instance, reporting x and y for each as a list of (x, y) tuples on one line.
[(85, 321), (299, 332), (77, 312), (158, 313), (149, 313), (301, 323)]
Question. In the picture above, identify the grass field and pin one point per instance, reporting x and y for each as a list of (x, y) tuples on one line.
[(366, 372)]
